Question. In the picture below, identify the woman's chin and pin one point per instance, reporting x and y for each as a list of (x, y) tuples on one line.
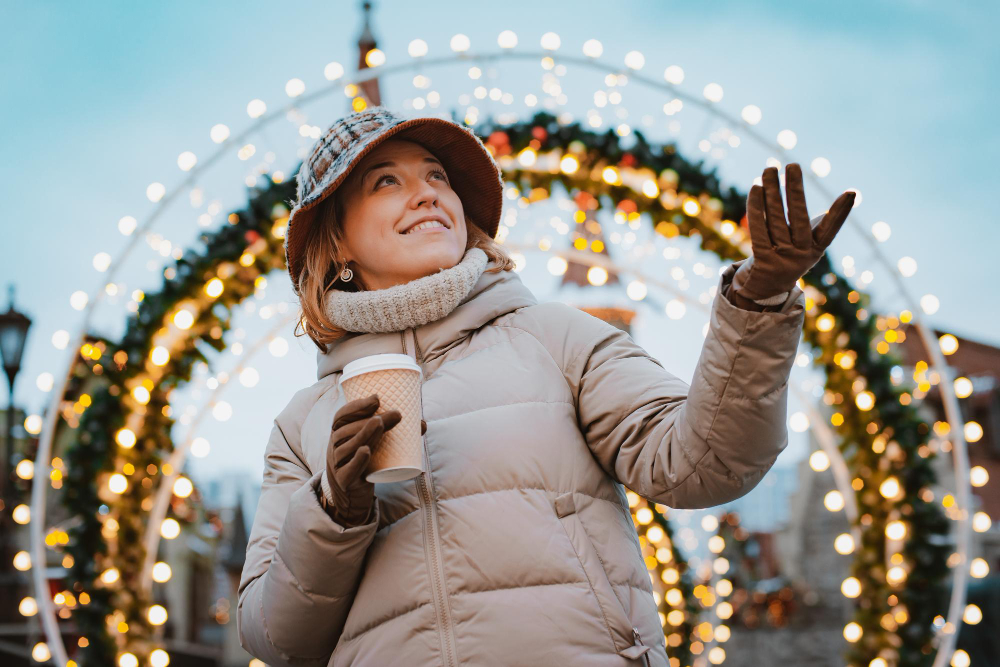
[(431, 257)]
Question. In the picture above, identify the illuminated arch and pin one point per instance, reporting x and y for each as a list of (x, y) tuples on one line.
[(249, 247)]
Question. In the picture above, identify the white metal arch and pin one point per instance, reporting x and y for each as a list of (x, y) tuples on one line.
[(43, 456)]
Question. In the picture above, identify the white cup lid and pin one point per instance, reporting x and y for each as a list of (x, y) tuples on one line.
[(379, 362)]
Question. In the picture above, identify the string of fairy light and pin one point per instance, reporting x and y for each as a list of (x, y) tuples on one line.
[(710, 217), (180, 486)]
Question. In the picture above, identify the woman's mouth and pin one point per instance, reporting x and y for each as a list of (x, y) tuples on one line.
[(428, 226)]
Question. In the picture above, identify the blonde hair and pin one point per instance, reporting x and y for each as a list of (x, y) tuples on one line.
[(321, 268)]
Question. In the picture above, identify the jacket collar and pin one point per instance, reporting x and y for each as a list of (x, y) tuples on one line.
[(495, 294)]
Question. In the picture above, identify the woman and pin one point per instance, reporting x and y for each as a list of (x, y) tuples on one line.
[(516, 546)]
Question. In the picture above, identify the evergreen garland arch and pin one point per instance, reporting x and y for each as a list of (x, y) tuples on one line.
[(124, 431)]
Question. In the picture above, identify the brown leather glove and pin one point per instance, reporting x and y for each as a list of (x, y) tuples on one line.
[(356, 431), (783, 253), (352, 495)]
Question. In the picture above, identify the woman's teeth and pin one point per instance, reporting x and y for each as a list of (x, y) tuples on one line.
[(424, 225)]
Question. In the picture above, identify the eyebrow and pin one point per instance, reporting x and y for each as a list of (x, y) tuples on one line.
[(390, 163)]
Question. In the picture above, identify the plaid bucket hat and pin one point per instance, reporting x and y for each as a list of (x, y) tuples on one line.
[(474, 175)]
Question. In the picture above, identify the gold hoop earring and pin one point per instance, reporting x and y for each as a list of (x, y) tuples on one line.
[(346, 275)]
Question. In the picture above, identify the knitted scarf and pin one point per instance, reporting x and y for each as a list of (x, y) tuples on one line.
[(411, 304)]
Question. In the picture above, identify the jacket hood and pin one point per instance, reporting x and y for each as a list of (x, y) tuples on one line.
[(495, 294)]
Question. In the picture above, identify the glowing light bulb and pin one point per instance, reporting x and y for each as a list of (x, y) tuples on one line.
[(213, 288), (159, 355), (851, 587), (597, 275), (592, 48), (948, 344), (895, 575), (117, 483), (890, 488), (973, 614), (787, 139), (865, 400), (125, 437), (155, 191), (170, 529), (183, 319), (751, 114), (636, 290), (635, 60), (713, 92), (819, 461), (256, 108), (963, 387), (157, 615), (844, 544), (820, 166), (895, 530), (186, 161), (834, 501), (550, 41), (295, 87), (460, 43), (675, 309), (333, 71), (507, 39), (183, 487), (28, 606), (417, 48), (557, 266), (973, 431), (881, 231), (161, 572)]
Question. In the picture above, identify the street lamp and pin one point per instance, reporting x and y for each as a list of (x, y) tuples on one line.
[(13, 333)]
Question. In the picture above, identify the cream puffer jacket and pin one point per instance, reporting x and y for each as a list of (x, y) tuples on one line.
[(517, 546)]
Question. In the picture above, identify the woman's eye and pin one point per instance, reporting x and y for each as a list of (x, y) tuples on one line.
[(383, 177)]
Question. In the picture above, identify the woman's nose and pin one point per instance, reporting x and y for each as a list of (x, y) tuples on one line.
[(424, 193)]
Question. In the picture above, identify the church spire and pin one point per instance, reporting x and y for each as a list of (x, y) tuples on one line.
[(369, 90)]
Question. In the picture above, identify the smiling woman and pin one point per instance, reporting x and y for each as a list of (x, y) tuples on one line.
[(394, 218), (538, 415)]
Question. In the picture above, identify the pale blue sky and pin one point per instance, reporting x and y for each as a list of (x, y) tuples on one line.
[(98, 99)]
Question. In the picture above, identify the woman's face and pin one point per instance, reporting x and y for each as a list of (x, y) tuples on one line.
[(390, 190)]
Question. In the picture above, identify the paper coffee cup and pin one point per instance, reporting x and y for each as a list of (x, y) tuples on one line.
[(396, 379)]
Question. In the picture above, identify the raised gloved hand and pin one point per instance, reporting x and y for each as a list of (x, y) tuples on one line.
[(783, 252), (356, 431)]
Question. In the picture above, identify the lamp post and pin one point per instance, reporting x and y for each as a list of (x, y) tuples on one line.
[(13, 333)]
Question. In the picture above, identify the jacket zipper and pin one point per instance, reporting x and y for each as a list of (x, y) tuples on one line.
[(432, 540), (638, 640)]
